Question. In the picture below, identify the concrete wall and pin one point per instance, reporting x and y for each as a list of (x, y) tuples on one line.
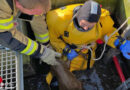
[(108, 4)]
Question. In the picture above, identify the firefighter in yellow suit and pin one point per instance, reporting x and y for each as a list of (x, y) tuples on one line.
[(74, 30), (33, 11), (68, 31)]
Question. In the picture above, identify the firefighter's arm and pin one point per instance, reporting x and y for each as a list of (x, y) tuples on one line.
[(112, 39), (55, 41), (14, 39), (60, 46), (55, 32), (116, 41), (17, 41), (124, 46), (108, 29), (9, 35), (40, 30)]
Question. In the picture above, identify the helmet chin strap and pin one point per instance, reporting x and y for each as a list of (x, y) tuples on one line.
[(28, 11)]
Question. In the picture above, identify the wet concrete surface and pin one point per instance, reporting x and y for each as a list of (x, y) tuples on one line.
[(105, 78)]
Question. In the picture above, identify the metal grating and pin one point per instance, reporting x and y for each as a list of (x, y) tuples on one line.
[(8, 69), (11, 66)]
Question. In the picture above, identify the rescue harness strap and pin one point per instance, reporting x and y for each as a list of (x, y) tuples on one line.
[(73, 46)]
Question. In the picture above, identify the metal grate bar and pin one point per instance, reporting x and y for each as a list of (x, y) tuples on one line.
[(8, 69)]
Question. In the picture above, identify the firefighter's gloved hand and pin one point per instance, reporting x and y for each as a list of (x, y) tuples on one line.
[(49, 56), (125, 49), (70, 53), (124, 46)]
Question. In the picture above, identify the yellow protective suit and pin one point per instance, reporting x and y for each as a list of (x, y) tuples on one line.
[(60, 22)]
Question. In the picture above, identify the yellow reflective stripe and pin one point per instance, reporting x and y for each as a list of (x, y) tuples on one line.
[(31, 47), (42, 35), (41, 38), (34, 48), (10, 26), (7, 23), (28, 46), (6, 20), (44, 40)]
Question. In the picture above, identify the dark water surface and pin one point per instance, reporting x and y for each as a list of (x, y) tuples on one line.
[(102, 77)]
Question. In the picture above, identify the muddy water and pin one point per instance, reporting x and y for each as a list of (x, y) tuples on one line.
[(35, 83), (108, 75), (103, 77)]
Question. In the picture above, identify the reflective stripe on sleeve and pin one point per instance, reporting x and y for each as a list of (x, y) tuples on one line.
[(7, 23), (31, 47), (42, 38)]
